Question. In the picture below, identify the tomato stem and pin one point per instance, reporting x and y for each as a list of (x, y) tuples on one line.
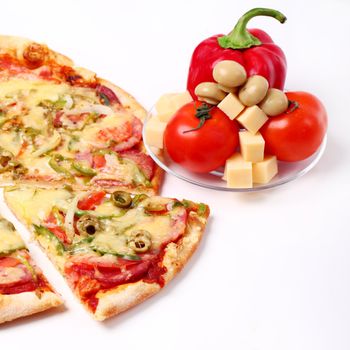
[(202, 113), (292, 106)]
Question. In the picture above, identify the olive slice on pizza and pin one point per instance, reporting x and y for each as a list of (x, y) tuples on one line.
[(114, 250), (23, 288)]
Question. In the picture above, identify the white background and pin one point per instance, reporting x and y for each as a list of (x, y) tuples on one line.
[(273, 269)]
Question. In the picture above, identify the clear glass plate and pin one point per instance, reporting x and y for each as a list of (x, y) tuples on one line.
[(287, 171)]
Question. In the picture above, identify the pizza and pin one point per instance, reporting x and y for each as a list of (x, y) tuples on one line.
[(23, 288), (63, 125), (115, 250)]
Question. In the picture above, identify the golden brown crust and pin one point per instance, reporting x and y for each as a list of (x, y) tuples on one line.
[(124, 297), (23, 304)]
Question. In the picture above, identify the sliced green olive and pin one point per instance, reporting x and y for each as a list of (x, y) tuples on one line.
[(121, 199), (140, 241), (88, 224)]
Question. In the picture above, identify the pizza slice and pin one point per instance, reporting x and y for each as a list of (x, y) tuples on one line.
[(23, 288), (114, 250), (62, 124)]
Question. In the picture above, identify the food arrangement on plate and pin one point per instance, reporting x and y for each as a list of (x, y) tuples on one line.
[(235, 119), (79, 178)]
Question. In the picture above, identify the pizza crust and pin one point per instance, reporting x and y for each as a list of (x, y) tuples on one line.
[(23, 304), (124, 297)]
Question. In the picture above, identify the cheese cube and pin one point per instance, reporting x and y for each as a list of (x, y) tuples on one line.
[(264, 171), (168, 104), (252, 146), (231, 106), (154, 132), (252, 118), (238, 172)]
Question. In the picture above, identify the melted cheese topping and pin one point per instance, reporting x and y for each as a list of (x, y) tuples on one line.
[(43, 118), (34, 205), (10, 240), (11, 274)]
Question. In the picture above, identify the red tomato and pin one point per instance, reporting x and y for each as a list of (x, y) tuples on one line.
[(206, 148), (298, 133), (99, 161), (91, 201), (54, 227)]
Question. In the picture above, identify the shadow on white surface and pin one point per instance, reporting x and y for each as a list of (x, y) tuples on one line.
[(167, 290)]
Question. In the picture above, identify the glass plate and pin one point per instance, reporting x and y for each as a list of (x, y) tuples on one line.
[(287, 171)]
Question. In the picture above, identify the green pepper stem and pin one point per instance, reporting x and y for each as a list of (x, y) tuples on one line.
[(239, 37)]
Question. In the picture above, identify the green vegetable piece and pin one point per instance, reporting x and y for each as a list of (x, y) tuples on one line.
[(28, 265), (54, 163), (138, 199), (82, 169), (121, 199), (45, 232), (202, 209)]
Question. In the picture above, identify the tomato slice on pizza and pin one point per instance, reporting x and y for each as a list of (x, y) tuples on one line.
[(64, 125), (114, 250), (23, 288)]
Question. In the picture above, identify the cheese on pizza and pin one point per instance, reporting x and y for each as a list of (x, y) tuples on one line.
[(102, 242), (23, 288), (61, 124)]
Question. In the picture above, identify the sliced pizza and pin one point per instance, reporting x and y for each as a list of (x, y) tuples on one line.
[(23, 288), (62, 124), (114, 250)]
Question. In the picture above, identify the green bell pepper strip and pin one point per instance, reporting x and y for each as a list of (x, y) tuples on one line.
[(45, 232), (82, 169), (54, 164), (27, 264)]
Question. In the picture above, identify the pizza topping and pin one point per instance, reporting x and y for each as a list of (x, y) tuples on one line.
[(34, 55), (49, 144), (121, 199), (10, 241), (83, 169), (140, 241), (88, 225), (92, 200), (47, 234), (13, 275), (107, 96)]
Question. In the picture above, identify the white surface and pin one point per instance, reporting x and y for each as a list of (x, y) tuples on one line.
[(273, 269)]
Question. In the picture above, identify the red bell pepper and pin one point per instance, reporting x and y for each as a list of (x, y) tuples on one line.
[(252, 48)]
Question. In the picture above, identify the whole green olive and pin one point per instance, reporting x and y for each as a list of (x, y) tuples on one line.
[(275, 102), (121, 199), (254, 90), (229, 74), (140, 241), (88, 224)]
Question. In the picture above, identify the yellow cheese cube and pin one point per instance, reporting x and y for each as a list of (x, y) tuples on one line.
[(238, 172), (168, 104), (252, 146), (252, 118), (154, 132), (231, 106), (264, 171)]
